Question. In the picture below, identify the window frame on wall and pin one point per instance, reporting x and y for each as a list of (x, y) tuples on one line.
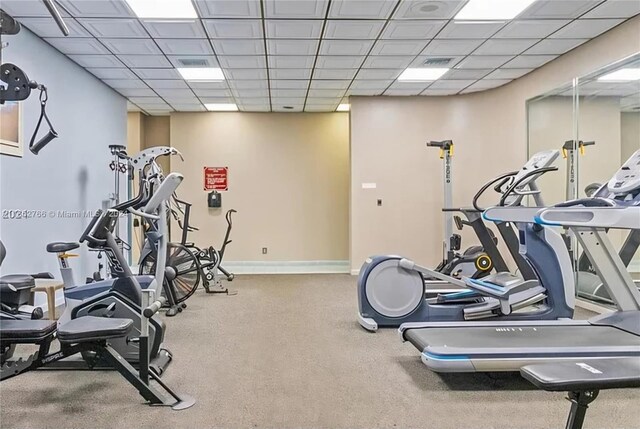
[(8, 147)]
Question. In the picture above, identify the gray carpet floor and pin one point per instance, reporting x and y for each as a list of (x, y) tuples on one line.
[(287, 352)]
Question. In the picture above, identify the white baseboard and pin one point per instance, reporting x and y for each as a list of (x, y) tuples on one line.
[(355, 272), (287, 267)]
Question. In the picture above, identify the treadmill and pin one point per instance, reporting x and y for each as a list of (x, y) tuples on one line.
[(507, 346)]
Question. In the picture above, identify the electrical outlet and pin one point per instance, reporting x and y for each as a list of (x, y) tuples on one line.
[(379, 202), (264, 250)]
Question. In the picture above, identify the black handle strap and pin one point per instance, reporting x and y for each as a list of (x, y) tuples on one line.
[(36, 147)]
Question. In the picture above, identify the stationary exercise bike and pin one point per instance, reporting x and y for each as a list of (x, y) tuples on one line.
[(392, 290)]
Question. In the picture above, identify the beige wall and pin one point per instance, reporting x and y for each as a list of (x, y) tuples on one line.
[(387, 148), (288, 179), (135, 143), (630, 128), (156, 133)]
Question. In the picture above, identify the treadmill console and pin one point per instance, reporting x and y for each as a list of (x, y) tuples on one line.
[(627, 178), (537, 161)]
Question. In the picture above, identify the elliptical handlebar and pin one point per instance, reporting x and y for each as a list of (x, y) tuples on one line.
[(503, 179), (531, 175)]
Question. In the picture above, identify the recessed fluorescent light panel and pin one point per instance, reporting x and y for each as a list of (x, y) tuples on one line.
[(163, 9), (492, 10), (421, 74), (622, 75), (215, 107), (343, 107), (201, 74)]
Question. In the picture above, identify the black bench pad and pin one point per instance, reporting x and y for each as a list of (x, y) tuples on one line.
[(16, 281), (576, 376), (59, 247), (89, 328), (26, 331)]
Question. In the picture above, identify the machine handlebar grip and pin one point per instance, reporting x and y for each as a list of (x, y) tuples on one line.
[(154, 307)]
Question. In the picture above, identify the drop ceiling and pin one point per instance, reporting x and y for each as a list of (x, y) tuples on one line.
[(310, 55)]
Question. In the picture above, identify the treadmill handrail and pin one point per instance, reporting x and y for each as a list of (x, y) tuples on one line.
[(615, 217)]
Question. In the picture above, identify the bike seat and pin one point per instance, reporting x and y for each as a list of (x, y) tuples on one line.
[(90, 329), (60, 247)]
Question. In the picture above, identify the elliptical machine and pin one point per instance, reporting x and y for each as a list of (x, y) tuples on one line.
[(392, 290)]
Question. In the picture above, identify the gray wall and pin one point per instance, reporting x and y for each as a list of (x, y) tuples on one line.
[(72, 172)]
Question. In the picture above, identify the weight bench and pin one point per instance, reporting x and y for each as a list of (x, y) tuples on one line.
[(583, 381)]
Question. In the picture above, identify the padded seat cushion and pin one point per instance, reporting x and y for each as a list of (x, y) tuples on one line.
[(59, 247), (18, 281), (581, 375), (90, 328), (26, 331)]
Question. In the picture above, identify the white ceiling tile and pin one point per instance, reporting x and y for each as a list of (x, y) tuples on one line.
[(483, 62), (327, 92), (249, 93), (387, 62), (488, 84), (124, 28), (410, 85), (292, 47), (352, 29), (229, 8), (529, 61), (290, 73), (205, 60), (97, 8), (290, 108), (78, 46), (293, 29), (208, 85), (586, 28), (175, 29), (147, 100), (330, 84), (246, 74), (248, 101), (288, 93), (159, 112), (125, 83), (111, 73), (242, 62), (398, 47), (224, 93), (137, 92), (188, 107), (361, 9), (439, 92), (132, 46), (287, 101), (371, 84), (418, 29), (615, 9), (446, 61), (185, 46), (291, 61), (248, 84), (154, 106), (233, 28), (467, 73), (145, 61), (289, 84), (334, 73), (378, 74), (255, 108), (339, 61), (47, 27), (182, 100), (451, 47), (505, 46), (102, 61), (308, 9), (531, 29), (174, 92), (426, 9), (452, 84), (323, 101), (554, 46), (20, 8), (365, 92), (238, 47), (557, 9), (345, 47), (403, 92), (509, 73), (166, 83), (470, 29), (132, 107)]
